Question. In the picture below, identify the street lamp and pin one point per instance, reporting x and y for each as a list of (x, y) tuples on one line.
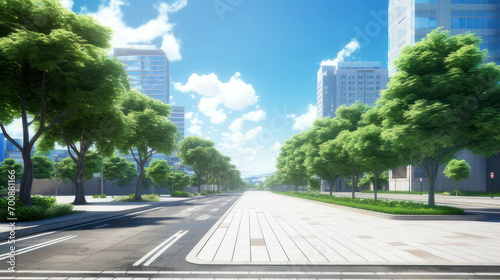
[(176, 165), (56, 157), (420, 185), (492, 176)]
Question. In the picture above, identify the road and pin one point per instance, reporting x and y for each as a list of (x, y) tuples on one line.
[(155, 243)]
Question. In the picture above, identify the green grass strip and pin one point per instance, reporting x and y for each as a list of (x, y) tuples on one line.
[(383, 206)]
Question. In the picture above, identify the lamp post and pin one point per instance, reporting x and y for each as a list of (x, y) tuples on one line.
[(420, 185), (102, 176), (492, 176), (56, 157)]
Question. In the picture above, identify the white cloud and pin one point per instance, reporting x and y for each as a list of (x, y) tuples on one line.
[(253, 133), (276, 146), (195, 129), (196, 121), (110, 14), (345, 52), (234, 95), (255, 116), (216, 116), (188, 115), (236, 125), (192, 96), (67, 4), (305, 120)]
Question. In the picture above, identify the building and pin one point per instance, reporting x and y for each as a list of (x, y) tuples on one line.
[(348, 82), (147, 68), (2, 147), (11, 151), (409, 22)]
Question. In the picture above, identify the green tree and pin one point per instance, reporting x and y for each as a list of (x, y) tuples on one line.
[(44, 168), (157, 171), (457, 170), (119, 169), (290, 164), (442, 99), (271, 182), (195, 180), (7, 165), (43, 50), (67, 168), (197, 153), (313, 184), (151, 131), (369, 179), (178, 182)]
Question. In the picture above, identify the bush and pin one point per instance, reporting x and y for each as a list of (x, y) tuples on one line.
[(95, 196), (131, 197), (203, 193), (45, 202), (30, 213), (102, 196), (196, 194), (180, 194), (58, 210)]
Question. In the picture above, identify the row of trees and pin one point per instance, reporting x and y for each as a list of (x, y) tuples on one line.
[(54, 69), (441, 100), (210, 166)]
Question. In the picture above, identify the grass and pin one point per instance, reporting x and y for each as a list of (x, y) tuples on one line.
[(41, 208), (181, 194), (397, 192), (383, 206), (451, 192), (131, 197), (99, 196)]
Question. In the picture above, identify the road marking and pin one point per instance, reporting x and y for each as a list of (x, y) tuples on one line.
[(163, 209), (161, 248), (202, 218), (136, 217), (223, 204), (192, 209), (214, 210), (29, 237), (102, 226), (38, 246)]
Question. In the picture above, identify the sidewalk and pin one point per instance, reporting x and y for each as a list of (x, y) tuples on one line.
[(263, 228), (472, 201), (96, 209)]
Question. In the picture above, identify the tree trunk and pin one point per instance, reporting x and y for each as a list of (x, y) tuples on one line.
[(27, 179), (456, 189), (353, 183), (430, 166), (375, 187), (79, 191), (139, 182), (332, 184)]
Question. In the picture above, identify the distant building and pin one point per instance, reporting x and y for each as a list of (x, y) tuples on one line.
[(11, 151), (346, 83), (2, 148)]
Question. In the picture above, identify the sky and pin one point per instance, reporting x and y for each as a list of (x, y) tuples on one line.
[(245, 70)]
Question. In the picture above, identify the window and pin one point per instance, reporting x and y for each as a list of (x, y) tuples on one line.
[(425, 22), (425, 1), (471, 1), (473, 20)]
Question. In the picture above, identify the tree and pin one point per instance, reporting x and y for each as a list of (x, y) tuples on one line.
[(178, 182), (44, 167), (8, 165), (457, 170), (442, 99), (369, 179), (43, 49), (194, 180), (196, 152), (290, 164), (313, 184), (157, 171), (119, 169), (271, 182), (151, 131), (67, 168)]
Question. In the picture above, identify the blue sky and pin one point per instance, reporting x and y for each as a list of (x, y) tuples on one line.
[(245, 70)]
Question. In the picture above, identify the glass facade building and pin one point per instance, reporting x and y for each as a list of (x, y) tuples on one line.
[(411, 20), (348, 82), (147, 68)]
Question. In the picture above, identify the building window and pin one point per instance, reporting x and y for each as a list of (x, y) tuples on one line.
[(425, 1), (471, 1), (473, 20), (425, 22)]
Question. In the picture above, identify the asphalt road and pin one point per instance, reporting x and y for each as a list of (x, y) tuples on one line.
[(154, 244)]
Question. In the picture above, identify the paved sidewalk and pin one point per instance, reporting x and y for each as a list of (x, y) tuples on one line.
[(96, 209), (264, 228)]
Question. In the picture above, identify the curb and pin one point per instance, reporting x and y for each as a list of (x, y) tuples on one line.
[(62, 224)]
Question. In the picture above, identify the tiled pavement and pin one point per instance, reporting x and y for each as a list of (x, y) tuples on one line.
[(266, 228)]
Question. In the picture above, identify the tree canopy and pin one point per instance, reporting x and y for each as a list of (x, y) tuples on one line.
[(457, 170), (7, 165), (119, 169), (44, 167)]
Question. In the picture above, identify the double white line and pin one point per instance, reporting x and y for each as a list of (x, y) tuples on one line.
[(38, 246), (202, 218), (214, 210), (160, 249)]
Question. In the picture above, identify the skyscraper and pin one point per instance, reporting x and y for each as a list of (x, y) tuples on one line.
[(411, 20), (147, 68), (348, 82)]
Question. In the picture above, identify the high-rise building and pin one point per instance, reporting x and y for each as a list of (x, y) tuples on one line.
[(177, 117), (411, 20), (147, 68), (348, 82)]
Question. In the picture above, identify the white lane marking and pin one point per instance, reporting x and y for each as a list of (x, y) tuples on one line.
[(192, 209), (214, 210), (163, 209), (223, 204), (202, 218), (136, 217), (38, 246), (161, 248), (102, 226), (29, 237)]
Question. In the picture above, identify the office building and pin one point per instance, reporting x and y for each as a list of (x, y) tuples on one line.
[(409, 22), (147, 68), (11, 151), (348, 82)]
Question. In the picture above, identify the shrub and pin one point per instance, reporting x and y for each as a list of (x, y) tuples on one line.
[(95, 196), (181, 194), (30, 213), (45, 202), (58, 210), (150, 197), (196, 194), (203, 193), (102, 196)]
